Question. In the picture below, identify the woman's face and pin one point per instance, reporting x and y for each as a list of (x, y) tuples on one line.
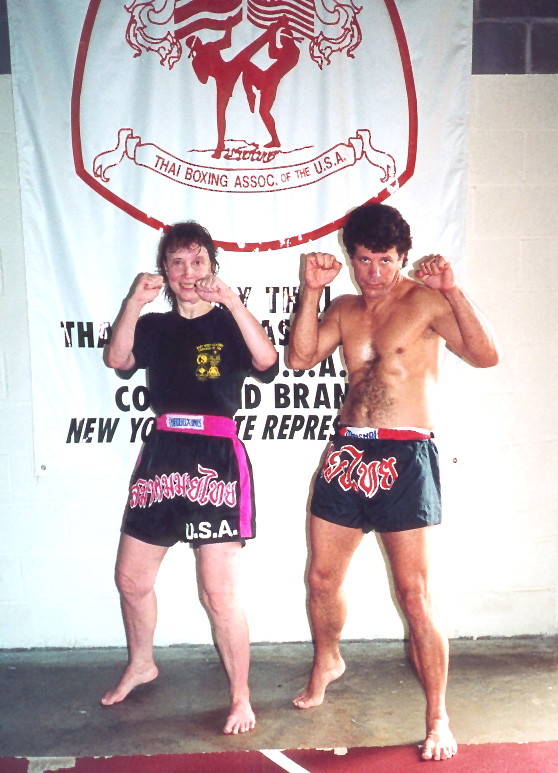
[(184, 267)]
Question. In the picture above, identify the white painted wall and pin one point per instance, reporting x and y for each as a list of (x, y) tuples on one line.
[(497, 434)]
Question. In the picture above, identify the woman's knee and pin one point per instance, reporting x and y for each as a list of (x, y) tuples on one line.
[(220, 603), (133, 585)]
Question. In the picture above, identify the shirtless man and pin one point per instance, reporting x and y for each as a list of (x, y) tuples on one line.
[(385, 479)]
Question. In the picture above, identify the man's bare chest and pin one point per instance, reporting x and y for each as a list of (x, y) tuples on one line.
[(393, 333)]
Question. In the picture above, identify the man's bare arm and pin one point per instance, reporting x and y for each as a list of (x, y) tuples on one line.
[(465, 329), (311, 341), (118, 352)]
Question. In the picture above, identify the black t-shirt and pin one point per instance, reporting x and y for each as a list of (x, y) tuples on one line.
[(195, 365)]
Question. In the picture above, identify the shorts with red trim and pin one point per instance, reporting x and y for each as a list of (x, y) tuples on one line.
[(193, 483), (381, 480)]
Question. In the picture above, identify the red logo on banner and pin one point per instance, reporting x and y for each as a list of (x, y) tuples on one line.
[(273, 117)]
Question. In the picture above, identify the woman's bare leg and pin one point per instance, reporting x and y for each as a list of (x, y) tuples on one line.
[(137, 566), (218, 566)]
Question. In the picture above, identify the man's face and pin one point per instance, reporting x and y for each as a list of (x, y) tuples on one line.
[(184, 267), (376, 272)]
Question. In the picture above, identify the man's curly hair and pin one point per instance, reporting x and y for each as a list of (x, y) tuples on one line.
[(378, 227)]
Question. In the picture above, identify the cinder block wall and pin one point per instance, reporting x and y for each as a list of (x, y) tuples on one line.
[(515, 37), (501, 565), (510, 553)]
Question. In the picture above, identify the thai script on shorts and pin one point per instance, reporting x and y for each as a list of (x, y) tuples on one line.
[(205, 489), (352, 473)]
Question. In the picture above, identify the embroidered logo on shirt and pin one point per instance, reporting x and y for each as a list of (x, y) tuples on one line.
[(208, 360)]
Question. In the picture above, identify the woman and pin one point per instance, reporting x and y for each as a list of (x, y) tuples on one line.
[(193, 481)]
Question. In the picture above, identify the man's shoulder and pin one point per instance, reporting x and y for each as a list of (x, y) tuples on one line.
[(346, 302), (418, 295)]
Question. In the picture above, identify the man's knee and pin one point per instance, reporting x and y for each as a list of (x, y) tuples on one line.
[(323, 581), (416, 604)]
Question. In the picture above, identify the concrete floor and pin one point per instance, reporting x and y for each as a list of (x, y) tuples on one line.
[(500, 690)]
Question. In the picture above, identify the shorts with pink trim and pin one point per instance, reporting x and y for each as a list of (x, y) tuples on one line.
[(193, 483)]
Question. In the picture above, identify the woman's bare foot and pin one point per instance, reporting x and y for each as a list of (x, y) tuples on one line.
[(440, 743), (241, 719), (131, 678), (320, 677)]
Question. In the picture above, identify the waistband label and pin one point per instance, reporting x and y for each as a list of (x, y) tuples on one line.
[(387, 433), (185, 422), (366, 432)]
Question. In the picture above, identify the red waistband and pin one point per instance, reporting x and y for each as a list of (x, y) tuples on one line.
[(217, 426), (385, 433)]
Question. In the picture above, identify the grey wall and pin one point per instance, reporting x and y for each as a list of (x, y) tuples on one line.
[(515, 37)]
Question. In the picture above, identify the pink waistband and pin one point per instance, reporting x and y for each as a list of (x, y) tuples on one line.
[(386, 433), (216, 426)]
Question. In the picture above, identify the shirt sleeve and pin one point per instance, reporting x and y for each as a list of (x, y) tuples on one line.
[(267, 375), (144, 340)]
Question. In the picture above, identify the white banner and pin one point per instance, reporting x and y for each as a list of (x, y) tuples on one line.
[(266, 121)]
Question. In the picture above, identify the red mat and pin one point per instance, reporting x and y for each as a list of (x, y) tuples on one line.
[(482, 758)]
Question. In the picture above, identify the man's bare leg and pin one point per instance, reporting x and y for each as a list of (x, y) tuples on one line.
[(413, 655), (218, 567), (409, 554), (137, 565), (332, 548)]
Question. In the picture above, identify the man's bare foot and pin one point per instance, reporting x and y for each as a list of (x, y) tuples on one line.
[(440, 743), (130, 679), (241, 719), (320, 677)]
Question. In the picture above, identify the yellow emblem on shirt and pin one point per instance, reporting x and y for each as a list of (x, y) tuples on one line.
[(208, 360)]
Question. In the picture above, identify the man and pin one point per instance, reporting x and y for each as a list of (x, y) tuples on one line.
[(381, 472)]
